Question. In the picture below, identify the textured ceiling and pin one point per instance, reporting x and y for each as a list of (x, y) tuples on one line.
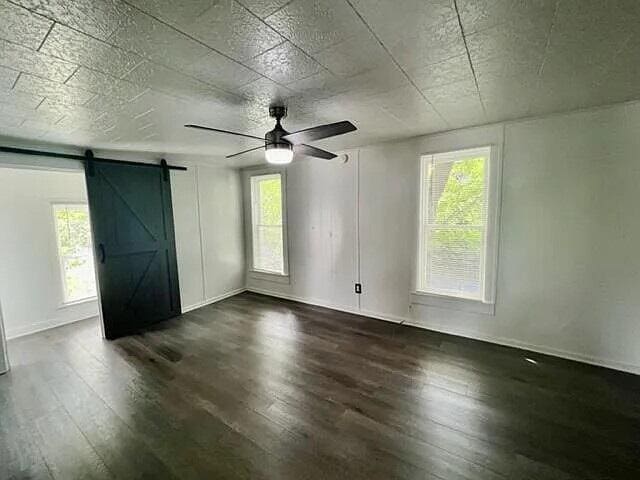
[(128, 74)]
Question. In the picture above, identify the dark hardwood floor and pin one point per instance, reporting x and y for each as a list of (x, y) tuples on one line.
[(255, 387)]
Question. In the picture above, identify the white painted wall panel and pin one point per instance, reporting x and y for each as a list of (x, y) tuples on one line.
[(567, 263), (220, 192), (388, 228), (321, 218), (30, 281), (568, 271), (207, 208), (389, 204), (186, 219)]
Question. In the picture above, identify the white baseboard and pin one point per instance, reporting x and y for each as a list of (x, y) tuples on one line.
[(554, 352), (308, 301), (42, 326), (507, 342), (211, 300)]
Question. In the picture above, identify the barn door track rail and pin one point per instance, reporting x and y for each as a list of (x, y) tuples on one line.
[(87, 157)]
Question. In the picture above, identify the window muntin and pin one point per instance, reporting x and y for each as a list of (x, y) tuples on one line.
[(454, 224), (73, 238), (267, 224)]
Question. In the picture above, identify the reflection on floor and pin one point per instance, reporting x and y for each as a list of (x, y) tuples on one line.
[(254, 387)]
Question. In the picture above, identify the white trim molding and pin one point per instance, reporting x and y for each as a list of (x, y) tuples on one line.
[(307, 301), (46, 325), (211, 300), (525, 346), (268, 277), (447, 148), (247, 196), (453, 303), (507, 342)]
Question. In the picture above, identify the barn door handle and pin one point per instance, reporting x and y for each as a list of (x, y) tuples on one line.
[(103, 254)]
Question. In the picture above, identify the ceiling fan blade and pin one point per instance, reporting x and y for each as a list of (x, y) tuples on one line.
[(318, 133), (313, 152), (246, 151), (200, 127)]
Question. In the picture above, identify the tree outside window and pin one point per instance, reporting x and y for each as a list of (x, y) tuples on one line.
[(455, 222), (73, 235), (267, 223)]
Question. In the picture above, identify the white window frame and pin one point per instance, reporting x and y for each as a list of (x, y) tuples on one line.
[(493, 177), (281, 277), (63, 287)]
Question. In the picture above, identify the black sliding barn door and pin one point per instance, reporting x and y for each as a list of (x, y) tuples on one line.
[(132, 223)]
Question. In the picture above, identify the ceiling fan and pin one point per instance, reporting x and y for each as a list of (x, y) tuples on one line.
[(280, 145)]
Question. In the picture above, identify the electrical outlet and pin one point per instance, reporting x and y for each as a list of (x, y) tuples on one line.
[(358, 288)]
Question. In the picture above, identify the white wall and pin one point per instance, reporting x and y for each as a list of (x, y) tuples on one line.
[(207, 206), (4, 358), (568, 271), (322, 218), (30, 280), (207, 210)]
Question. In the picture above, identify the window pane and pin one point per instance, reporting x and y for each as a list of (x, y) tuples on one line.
[(79, 278), (73, 228), (74, 248), (269, 252), (270, 195), (456, 193), (266, 215), (454, 261), (455, 218)]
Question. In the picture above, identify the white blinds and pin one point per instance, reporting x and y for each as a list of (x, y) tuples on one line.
[(454, 223), (266, 219)]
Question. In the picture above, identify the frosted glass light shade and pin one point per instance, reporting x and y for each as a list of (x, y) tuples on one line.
[(278, 156)]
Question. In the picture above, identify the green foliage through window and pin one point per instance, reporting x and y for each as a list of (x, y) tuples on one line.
[(455, 213), (460, 203), (270, 202), (266, 214), (73, 232)]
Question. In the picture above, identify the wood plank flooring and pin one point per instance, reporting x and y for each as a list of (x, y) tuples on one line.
[(259, 388)]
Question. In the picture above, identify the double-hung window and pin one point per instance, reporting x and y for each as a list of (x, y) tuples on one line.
[(73, 236), (457, 225), (267, 224)]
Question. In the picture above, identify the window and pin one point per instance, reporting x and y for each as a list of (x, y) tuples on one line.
[(73, 235), (456, 223), (267, 226)]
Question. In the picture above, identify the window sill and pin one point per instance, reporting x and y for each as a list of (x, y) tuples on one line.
[(77, 302), (268, 276), (453, 303)]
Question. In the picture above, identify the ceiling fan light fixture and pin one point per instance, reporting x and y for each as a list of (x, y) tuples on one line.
[(279, 154), (279, 145)]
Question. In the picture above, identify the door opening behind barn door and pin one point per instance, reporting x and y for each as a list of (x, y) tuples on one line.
[(134, 256)]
